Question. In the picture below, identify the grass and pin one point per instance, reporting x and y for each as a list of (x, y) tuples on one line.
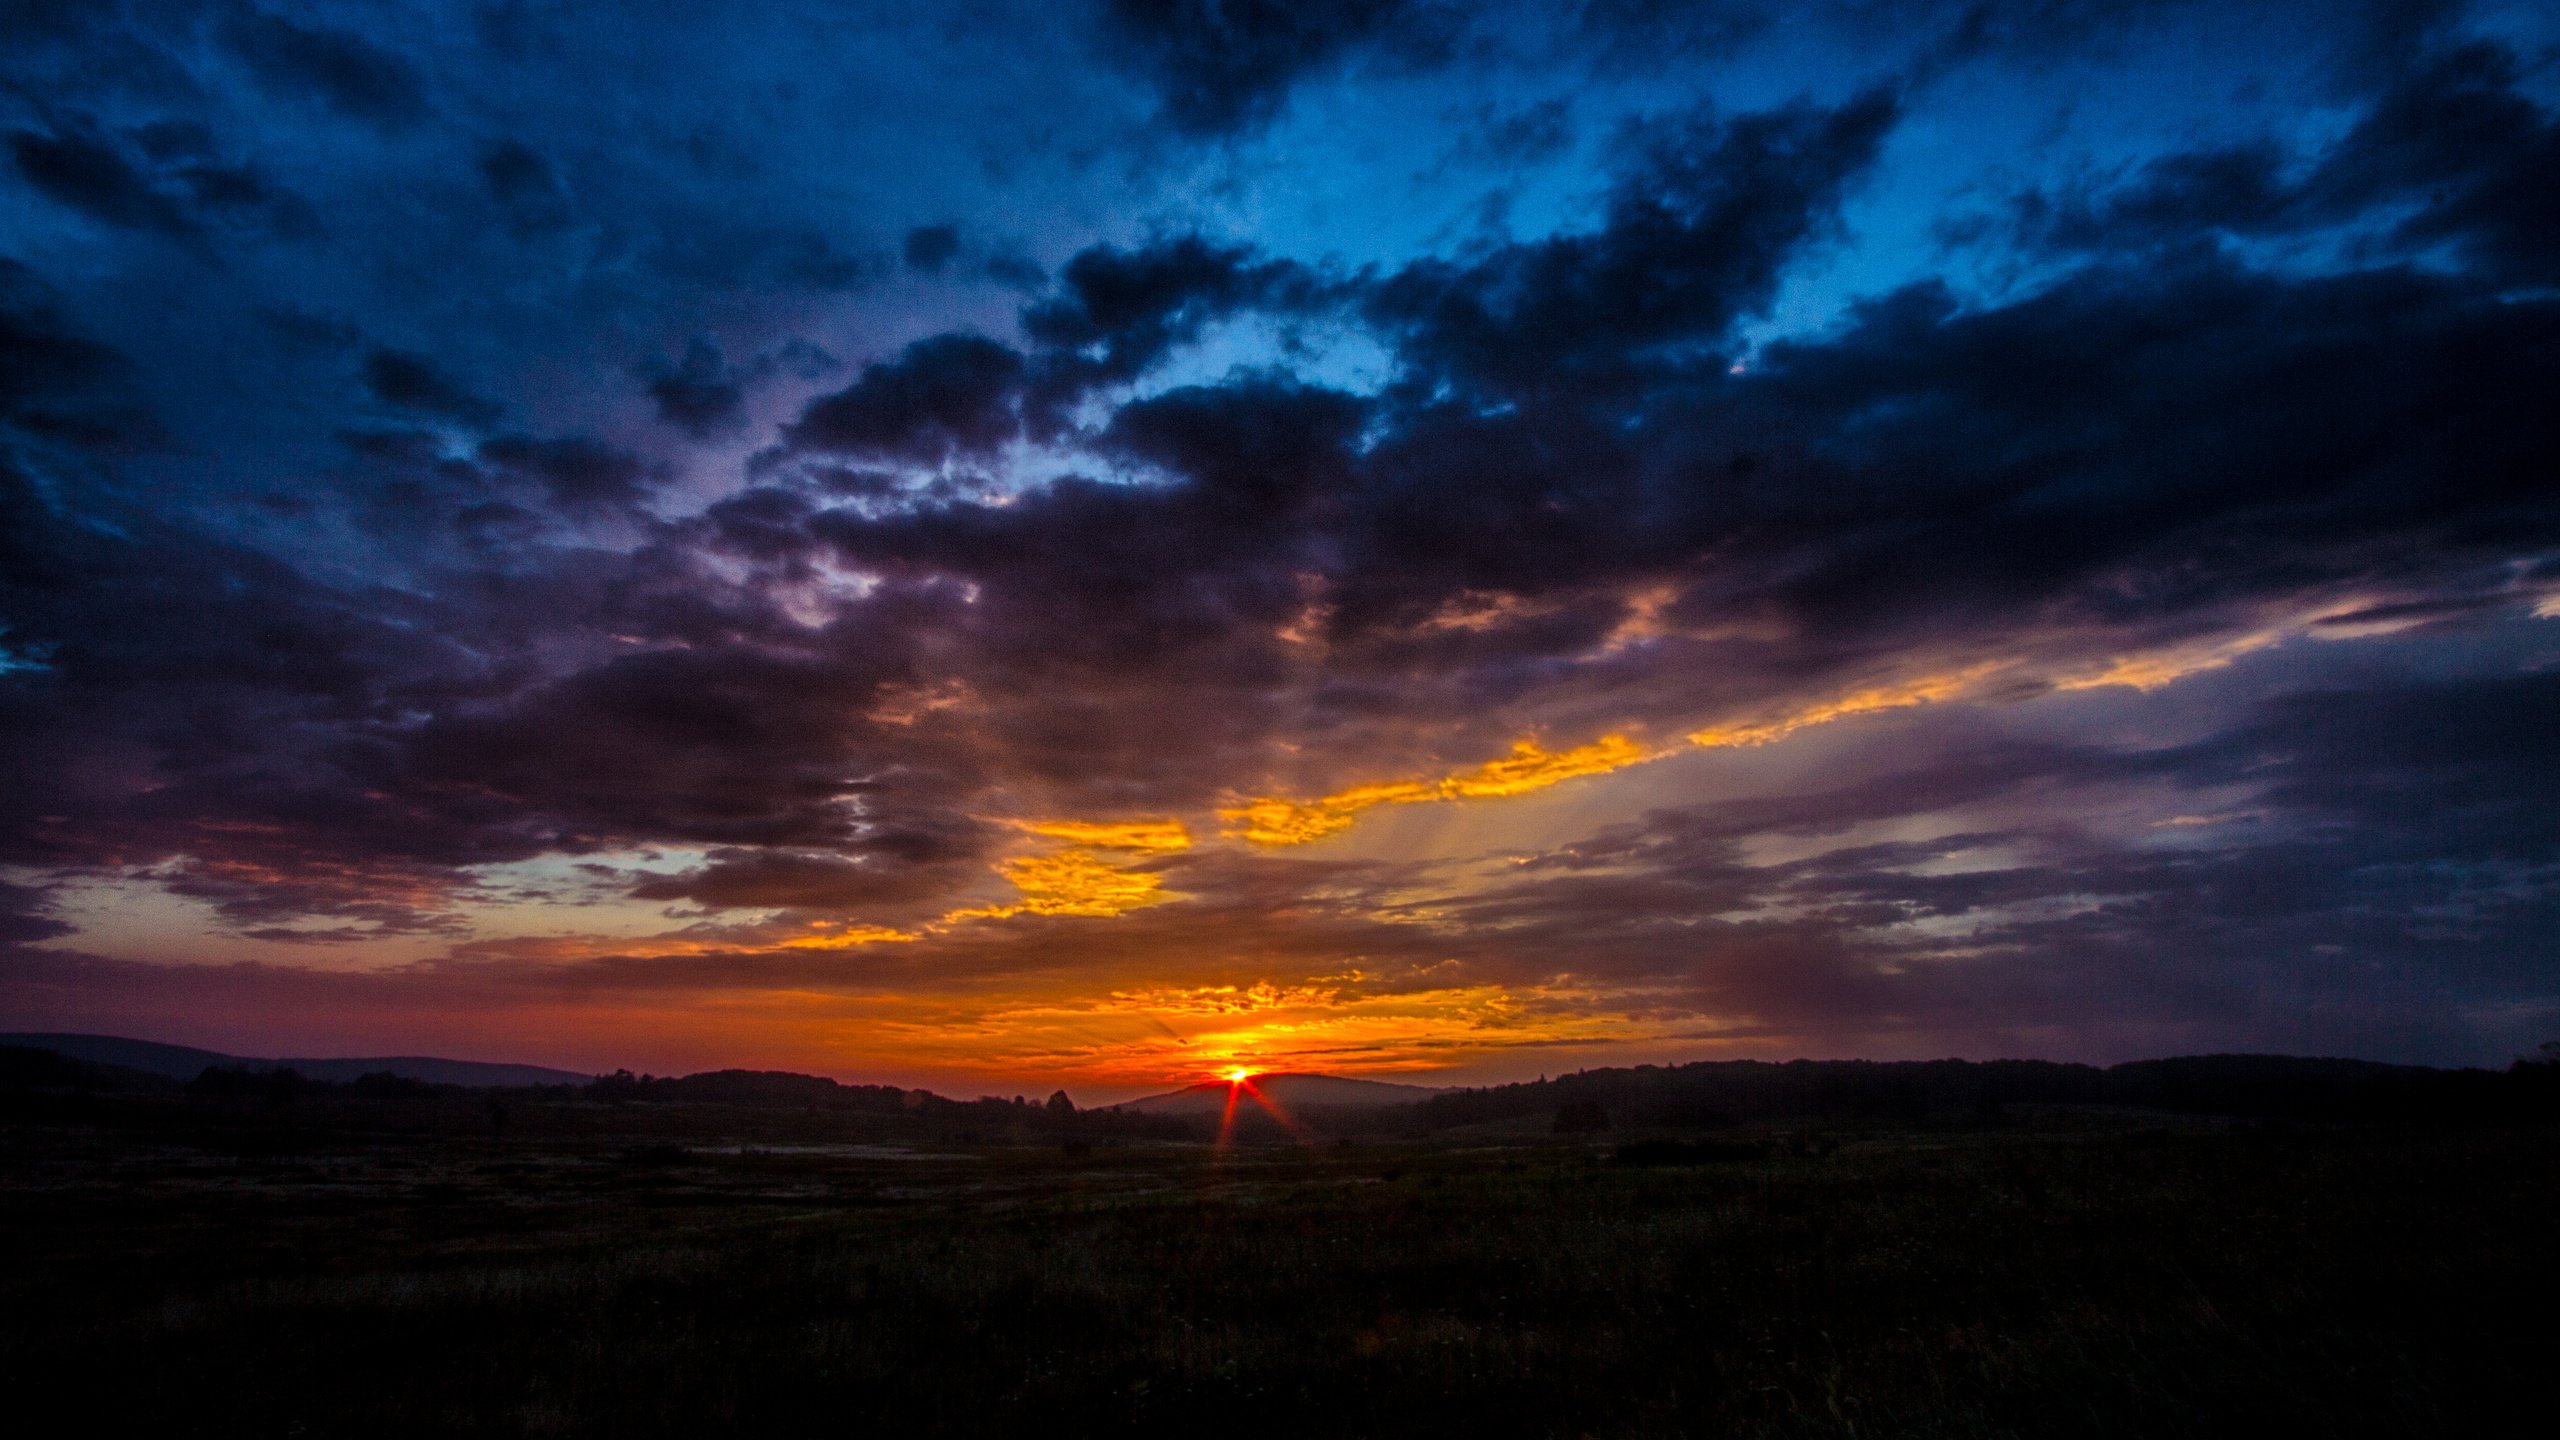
[(2081, 1278)]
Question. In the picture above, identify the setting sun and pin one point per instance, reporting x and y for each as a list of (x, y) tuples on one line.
[(1238, 1075)]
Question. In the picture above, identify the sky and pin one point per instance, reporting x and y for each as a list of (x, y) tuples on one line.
[(1006, 546)]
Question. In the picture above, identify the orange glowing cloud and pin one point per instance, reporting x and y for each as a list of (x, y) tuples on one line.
[(2153, 669), (1072, 882), (2338, 617), (1269, 820), (1154, 837), (824, 935), (1900, 695), (1077, 881)]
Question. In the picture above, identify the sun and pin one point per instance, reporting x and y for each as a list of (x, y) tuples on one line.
[(1238, 1075)]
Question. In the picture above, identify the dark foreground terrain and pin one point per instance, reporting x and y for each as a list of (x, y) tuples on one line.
[(175, 1267)]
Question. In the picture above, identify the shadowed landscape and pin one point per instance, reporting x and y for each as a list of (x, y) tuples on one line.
[(2181, 1248)]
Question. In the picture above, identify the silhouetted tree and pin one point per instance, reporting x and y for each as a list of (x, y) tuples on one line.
[(383, 1085), (1581, 1117), (274, 1089)]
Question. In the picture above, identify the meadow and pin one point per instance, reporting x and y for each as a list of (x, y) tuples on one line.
[(593, 1269)]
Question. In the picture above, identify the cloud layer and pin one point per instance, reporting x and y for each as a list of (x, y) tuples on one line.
[(1740, 578)]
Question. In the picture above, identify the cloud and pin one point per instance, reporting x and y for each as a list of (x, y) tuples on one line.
[(54, 380), (339, 68), (1512, 139), (699, 394), (577, 474), (826, 880), (525, 187), (23, 916), (2208, 938), (1529, 767), (2051, 645), (705, 396), (84, 173), (2449, 153), (1220, 67), (1703, 215), (411, 382), (928, 248), (1152, 837), (1897, 695), (943, 398), (178, 186), (1124, 310)]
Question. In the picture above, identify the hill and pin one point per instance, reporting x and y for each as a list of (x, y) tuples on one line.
[(1289, 1091), (1715, 1093), (185, 1062)]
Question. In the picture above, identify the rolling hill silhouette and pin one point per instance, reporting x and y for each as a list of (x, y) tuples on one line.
[(185, 1062), (1300, 1091)]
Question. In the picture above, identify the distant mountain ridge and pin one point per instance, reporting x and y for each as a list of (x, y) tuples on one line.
[(1310, 1091), (185, 1062)]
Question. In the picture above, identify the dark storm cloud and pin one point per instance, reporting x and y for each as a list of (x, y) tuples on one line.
[(699, 393), (1124, 310), (293, 776), (412, 382), (705, 395), (55, 381), (881, 869), (1925, 468), (1696, 231), (2482, 159), (1269, 481), (1091, 596), (359, 902), (930, 247), (525, 187), (340, 69), (730, 744), (2237, 189), (311, 750), (196, 698), (576, 474), (1999, 431), (1221, 66), (173, 183), (2092, 426), (84, 173), (23, 918), (949, 396), (2463, 771), (2452, 153)]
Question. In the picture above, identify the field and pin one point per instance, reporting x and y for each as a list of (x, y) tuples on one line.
[(633, 1271)]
